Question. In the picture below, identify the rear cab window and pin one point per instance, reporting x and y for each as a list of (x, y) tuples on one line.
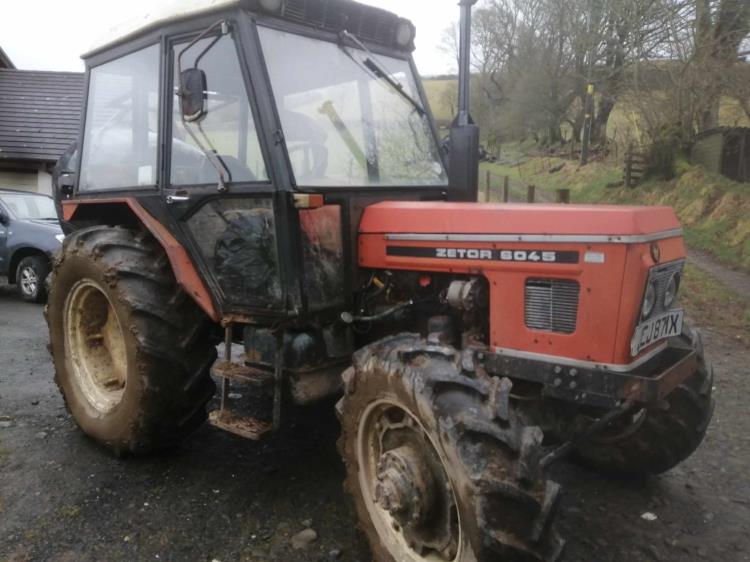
[(120, 136)]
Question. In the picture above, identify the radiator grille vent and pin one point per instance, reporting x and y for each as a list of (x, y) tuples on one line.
[(552, 305), (366, 22)]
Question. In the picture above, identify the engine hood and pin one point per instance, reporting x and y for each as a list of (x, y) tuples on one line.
[(543, 221)]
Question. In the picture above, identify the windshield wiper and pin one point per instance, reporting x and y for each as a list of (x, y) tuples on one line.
[(381, 72)]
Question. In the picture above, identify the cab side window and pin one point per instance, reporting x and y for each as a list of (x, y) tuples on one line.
[(122, 117), (227, 128)]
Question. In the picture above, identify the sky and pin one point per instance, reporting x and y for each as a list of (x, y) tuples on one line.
[(52, 34)]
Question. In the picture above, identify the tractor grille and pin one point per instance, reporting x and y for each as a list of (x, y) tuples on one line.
[(552, 305), (366, 22)]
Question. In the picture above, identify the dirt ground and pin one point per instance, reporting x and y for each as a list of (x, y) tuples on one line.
[(218, 497)]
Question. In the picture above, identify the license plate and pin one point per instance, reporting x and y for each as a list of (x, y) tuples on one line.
[(656, 329)]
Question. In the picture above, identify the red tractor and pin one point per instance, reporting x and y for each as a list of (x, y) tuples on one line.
[(267, 173)]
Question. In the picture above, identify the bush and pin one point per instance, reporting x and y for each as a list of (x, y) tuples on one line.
[(663, 152)]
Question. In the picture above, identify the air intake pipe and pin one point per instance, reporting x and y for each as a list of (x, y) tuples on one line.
[(464, 136)]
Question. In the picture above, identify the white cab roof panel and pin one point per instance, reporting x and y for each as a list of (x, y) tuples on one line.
[(161, 14)]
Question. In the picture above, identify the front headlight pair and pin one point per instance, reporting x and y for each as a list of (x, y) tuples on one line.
[(652, 295)]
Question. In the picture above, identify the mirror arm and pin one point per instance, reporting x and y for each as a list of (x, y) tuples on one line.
[(215, 162)]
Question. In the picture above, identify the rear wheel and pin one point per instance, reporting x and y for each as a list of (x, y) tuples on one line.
[(31, 276), (438, 468), (654, 440), (132, 352)]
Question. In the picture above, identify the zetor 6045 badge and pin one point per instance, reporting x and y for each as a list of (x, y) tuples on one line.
[(484, 254)]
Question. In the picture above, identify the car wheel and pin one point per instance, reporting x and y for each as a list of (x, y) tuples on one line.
[(30, 278)]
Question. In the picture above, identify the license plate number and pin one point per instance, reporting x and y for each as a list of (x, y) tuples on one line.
[(656, 329)]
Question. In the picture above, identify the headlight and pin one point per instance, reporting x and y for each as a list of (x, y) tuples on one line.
[(670, 293), (271, 5), (60, 238), (405, 33), (649, 300)]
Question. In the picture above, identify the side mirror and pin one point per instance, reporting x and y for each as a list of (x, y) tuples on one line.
[(4, 220), (66, 183), (193, 88)]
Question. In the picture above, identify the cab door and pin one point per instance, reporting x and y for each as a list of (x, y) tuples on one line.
[(218, 187)]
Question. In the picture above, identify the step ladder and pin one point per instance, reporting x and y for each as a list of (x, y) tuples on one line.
[(227, 371)]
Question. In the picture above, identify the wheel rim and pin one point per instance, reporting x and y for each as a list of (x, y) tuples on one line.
[(29, 281), (405, 486), (96, 346)]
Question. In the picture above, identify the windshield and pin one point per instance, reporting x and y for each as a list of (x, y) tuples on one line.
[(25, 207), (344, 123)]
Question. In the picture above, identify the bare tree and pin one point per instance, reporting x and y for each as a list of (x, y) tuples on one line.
[(673, 60)]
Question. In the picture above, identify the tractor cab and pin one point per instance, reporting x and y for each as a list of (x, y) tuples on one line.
[(257, 132)]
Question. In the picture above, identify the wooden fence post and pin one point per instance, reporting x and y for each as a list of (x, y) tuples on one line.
[(506, 189), (563, 196), (530, 193), (629, 166), (487, 184)]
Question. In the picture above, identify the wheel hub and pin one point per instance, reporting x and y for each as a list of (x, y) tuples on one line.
[(28, 280), (404, 486), (96, 346)]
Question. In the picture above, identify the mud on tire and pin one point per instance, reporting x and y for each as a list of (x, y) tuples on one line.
[(659, 438), (131, 350), (503, 505)]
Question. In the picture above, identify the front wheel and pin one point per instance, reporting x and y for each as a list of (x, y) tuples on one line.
[(31, 275), (654, 440), (437, 471)]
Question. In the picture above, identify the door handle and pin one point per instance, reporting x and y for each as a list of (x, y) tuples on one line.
[(177, 199)]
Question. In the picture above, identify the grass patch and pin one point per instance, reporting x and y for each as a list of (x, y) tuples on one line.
[(714, 304), (714, 210), (439, 95), (536, 171)]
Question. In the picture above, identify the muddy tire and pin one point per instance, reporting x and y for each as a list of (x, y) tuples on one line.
[(656, 440), (31, 276), (131, 350), (439, 463)]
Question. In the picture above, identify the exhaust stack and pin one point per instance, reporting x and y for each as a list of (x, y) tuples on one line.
[(464, 136)]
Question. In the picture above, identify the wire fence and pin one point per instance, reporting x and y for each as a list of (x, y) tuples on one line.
[(497, 188), (501, 188)]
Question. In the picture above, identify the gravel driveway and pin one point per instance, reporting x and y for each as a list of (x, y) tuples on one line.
[(218, 497)]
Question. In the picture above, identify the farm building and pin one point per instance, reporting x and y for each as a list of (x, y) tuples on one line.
[(39, 115), (5, 61), (725, 150)]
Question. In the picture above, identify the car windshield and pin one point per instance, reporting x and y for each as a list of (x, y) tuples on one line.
[(345, 122), (25, 207)]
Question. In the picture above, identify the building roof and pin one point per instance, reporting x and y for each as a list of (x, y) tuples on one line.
[(5, 61), (39, 113)]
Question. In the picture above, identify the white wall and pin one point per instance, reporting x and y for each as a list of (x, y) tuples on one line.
[(24, 181), (44, 183)]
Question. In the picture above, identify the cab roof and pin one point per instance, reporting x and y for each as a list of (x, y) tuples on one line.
[(367, 22)]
